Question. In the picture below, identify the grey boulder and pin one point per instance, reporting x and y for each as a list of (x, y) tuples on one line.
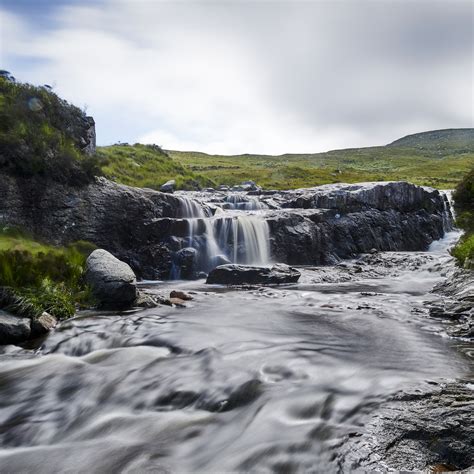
[(234, 274), (168, 187), (113, 282), (13, 329)]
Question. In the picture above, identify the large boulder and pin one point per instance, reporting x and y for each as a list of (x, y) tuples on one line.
[(234, 274), (113, 282), (13, 329)]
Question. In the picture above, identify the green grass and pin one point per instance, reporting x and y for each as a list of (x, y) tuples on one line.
[(464, 205), (464, 249), (40, 277), (41, 135), (420, 166), (147, 166)]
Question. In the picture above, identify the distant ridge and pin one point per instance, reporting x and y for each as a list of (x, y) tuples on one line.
[(454, 138)]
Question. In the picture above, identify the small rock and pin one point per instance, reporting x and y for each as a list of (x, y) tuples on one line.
[(43, 324), (146, 301), (181, 295), (168, 187), (178, 302), (373, 251)]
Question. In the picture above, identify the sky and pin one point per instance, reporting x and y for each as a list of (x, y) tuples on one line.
[(249, 76)]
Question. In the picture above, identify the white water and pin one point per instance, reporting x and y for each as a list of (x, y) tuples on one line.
[(243, 203), (235, 236)]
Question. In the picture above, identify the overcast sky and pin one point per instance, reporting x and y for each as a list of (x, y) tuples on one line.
[(249, 76)]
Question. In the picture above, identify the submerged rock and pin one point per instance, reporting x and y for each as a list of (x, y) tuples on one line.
[(235, 274), (13, 329), (113, 282)]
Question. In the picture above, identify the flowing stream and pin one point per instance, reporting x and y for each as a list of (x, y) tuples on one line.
[(260, 380)]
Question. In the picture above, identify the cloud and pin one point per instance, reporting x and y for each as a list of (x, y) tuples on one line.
[(258, 77)]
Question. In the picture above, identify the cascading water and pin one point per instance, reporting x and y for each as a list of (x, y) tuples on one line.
[(237, 236), (244, 237), (243, 203)]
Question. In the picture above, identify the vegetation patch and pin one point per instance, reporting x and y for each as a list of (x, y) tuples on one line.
[(440, 168), (36, 277), (464, 206), (42, 135), (147, 166)]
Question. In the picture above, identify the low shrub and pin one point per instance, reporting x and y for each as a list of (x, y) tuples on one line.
[(42, 135), (464, 249), (464, 205)]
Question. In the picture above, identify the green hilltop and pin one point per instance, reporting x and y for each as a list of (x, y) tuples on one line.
[(438, 158)]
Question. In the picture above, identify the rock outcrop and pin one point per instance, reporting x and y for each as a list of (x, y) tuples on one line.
[(456, 303), (113, 283), (250, 275), (13, 329), (131, 223), (426, 430), (155, 232)]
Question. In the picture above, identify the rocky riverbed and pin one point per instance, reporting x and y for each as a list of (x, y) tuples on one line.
[(350, 368)]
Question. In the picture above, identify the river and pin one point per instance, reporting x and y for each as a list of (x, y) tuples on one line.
[(256, 379)]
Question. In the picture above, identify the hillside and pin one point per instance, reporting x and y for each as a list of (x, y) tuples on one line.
[(441, 161), (146, 166), (44, 136), (461, 139)]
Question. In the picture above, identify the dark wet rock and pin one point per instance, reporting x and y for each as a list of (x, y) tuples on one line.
[(168, 187), (180, 294), (133, 224), (235, 274), (13, 329), (414, 431), (43, 324), (383, 196), (113, 282), (186, 260), (456, 303), (149, 230)]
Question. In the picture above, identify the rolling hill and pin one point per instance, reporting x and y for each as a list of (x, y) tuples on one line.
[(436, 158)]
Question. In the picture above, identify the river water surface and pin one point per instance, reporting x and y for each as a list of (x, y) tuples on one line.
[(256, 379)]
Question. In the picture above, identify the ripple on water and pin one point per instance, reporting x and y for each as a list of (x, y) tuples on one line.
[(242, 380)]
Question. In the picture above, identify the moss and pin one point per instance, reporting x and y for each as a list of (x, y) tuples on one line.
[(464, 249)]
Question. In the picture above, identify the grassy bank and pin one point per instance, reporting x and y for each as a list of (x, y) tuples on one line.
[(147, 166), (464, 205), (35, 277)]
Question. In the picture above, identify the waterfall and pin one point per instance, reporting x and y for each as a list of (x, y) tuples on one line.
[(233, 236), (243, 203), (245, 238)]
